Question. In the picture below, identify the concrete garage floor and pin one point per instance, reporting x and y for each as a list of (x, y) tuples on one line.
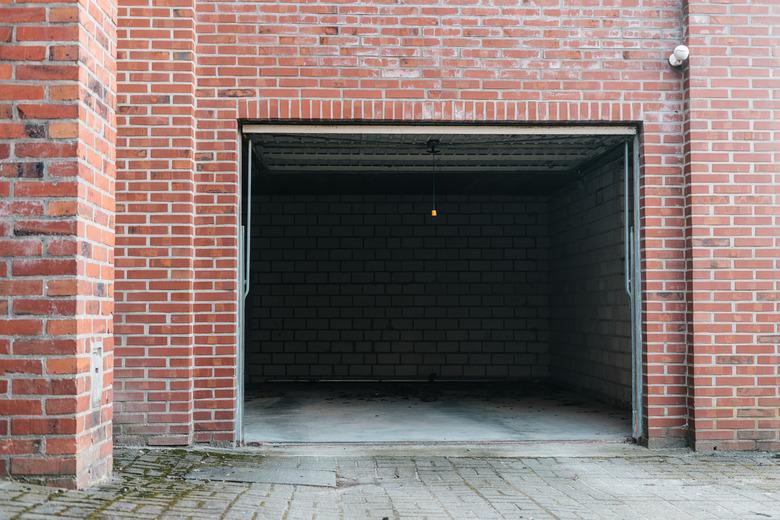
[(425, 412)]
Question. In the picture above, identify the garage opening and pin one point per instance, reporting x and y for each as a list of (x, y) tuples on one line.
[(438, 284)]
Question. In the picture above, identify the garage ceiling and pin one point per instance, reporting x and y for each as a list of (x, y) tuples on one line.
[(403, 163)]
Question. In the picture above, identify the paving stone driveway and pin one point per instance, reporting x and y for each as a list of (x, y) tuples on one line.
[(667, 486)]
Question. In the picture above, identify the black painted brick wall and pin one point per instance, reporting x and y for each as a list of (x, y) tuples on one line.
[(590, 317), (373, 287)]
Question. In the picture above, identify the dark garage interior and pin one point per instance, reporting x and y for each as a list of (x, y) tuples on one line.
[(503, 317)]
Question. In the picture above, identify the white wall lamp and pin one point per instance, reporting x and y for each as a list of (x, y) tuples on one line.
[(679, 56)]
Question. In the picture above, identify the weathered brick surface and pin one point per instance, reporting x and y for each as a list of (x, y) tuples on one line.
[(56, 240), (469, 61), (732, 169)]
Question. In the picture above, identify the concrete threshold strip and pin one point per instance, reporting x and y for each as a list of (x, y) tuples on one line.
[(265, 475), (278, 463), (466, 449)]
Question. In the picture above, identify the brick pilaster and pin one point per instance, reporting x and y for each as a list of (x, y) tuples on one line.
[(732, 168), (57, 132)]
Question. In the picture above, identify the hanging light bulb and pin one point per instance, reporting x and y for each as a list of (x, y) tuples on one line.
[(432, 144)]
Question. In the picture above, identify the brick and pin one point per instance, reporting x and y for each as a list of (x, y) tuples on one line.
[(11, 130), (21, 248), (44, 347), (64, 53), (23, 53), (47, 111), (43, 307), (54, 387), (45, 149), (15, 92), (63, 130), (61, 288), (21, 287), (43, 466), (19, 327), (44, 267), (47, 33), (44, 227), (24, 366), (62, 248), (18, 446), (22, 14), (60, 208), (47, 72), (20, 407)]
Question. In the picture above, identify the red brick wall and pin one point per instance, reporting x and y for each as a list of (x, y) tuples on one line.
[(56, 240), (732, 179), (525, 61), (439, 61), (155, 222)]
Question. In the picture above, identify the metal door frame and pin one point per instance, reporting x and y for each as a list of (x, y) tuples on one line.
[(632, 227), (244, 243), (633, 277)]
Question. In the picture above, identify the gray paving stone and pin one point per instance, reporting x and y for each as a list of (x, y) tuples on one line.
[(150, 484)]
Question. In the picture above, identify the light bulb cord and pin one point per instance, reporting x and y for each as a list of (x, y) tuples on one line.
[(432, 143), (434, 181)]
